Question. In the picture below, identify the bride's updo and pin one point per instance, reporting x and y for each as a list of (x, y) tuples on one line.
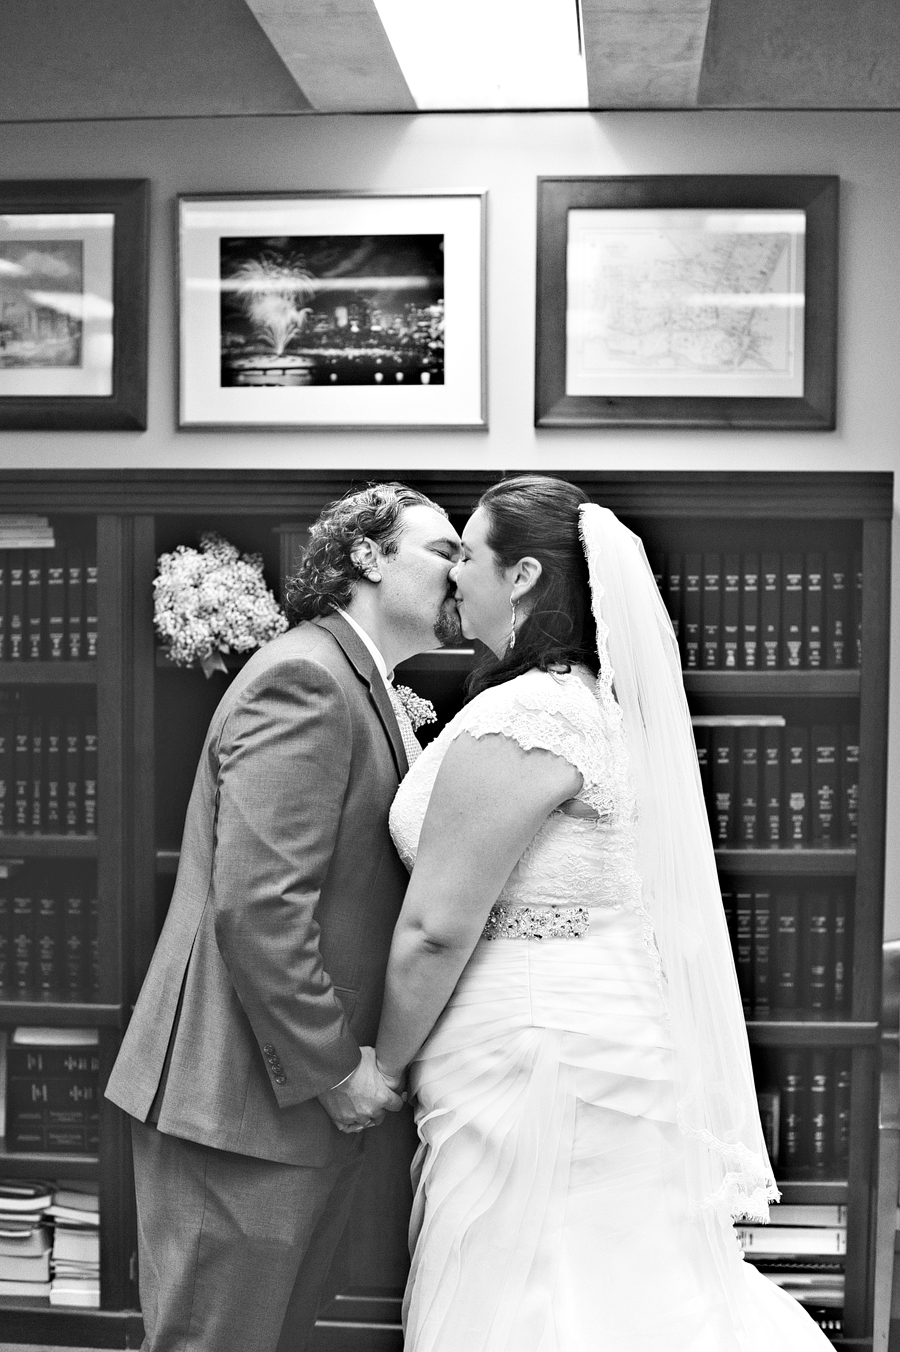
[(534, 514)]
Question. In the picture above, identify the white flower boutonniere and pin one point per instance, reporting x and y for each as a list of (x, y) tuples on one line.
[(419, 711)]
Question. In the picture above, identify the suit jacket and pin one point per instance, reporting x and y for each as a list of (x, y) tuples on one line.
[(269, 971)]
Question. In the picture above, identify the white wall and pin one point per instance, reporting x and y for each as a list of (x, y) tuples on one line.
[(504, 154)]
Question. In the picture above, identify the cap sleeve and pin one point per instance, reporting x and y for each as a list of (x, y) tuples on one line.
[(546, 712)]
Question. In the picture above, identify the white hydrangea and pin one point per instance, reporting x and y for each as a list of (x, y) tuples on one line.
[(212, 601)]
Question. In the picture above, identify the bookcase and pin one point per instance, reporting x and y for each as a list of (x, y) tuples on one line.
[(152, 718)]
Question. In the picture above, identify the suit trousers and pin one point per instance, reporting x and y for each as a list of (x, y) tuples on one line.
[(234, 1251)]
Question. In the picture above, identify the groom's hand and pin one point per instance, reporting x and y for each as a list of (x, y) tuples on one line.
[(362, 1099)]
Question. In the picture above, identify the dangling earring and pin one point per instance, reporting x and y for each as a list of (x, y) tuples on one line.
[(512, 630)]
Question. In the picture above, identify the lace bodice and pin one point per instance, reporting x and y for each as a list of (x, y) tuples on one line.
[(589, 861)]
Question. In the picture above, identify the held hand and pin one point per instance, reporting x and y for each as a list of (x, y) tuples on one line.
[(363, 1099)]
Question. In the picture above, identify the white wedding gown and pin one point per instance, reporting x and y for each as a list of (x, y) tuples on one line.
[(550, 1212)]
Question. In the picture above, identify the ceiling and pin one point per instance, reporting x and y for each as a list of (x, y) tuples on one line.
[(86, 59)]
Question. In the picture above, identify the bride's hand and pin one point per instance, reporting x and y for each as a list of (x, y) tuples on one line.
[(394, 1080)]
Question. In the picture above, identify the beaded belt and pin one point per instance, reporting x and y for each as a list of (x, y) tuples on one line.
[(536, 922)]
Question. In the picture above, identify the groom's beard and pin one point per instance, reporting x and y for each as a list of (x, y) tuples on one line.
[(447, 628)]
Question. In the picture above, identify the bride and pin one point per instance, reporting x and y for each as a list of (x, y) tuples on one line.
[(561, 990)]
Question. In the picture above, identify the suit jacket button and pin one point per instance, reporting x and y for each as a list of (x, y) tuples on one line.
[(281, 1079), (268, 1048)]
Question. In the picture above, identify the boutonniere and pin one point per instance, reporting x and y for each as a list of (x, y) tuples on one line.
[(419, 711)]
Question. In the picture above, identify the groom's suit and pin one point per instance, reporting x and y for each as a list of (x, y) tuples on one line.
[(269, 971)]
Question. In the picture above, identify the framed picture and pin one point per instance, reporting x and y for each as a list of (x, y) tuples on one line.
[(692, 301), (338, 310), (73, 305)]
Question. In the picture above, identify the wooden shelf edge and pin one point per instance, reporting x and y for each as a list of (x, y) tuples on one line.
[(49, 847), (61, 1013), (38, 1164), (813, 1033), (789, 683), (809, 862), (48, 673), (801, 1192), (33, 1321)]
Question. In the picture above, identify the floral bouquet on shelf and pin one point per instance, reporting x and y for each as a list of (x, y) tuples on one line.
[(212, 601)]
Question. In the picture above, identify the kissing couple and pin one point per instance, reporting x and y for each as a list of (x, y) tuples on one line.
[(520, 930)]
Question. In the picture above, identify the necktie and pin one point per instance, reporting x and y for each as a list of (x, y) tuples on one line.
[(410, 740)]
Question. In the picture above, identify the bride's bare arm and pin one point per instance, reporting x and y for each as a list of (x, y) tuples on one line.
[(489, 800)]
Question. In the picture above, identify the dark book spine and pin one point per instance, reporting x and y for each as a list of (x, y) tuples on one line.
[(22, 772), (814, 611), (93, 955), (769, 1103), (657, 562), (38, 1061), (836, 609), (74, 605), (74, 936), (53, 802), (840, 955), (48, 956), (22, 940), (723, 784), (849, 783), (770, 610), (820, 1104), (792, 610), (731, 610), (90, 607), (770, 790), (729, 907), (56, 605), (7, 773), (674, 570), (824, 754), (749, 641), (819, 971), (748, 785), (36, 815), (743, 958), (6, 970), (16, 605), (857, 609), (712, 610), (840, 1143), (72, 770), (692, 611), (793, 1092), (34, 603), (702, 741), (89, 773), (796, 786), (62, 1099), (786, 992), (762, 953), (4, 601)]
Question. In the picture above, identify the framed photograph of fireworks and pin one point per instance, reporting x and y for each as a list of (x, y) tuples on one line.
[(73, 304), (339, 310)]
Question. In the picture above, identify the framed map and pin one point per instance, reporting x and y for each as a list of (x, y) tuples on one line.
[(687, 301)]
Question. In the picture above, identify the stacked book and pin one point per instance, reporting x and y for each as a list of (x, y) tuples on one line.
[(48, 603), (75, 1257), (771, 785), (24, 1239), (764, 611), (25, 532), (52, 1091), (48, 770), (801, 1250)]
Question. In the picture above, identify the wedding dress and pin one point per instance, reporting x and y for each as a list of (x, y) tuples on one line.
[(551, 1212)]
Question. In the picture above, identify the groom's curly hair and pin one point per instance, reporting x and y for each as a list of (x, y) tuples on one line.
[(326, 574)]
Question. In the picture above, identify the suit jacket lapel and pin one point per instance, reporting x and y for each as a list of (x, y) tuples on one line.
[(362, 661)]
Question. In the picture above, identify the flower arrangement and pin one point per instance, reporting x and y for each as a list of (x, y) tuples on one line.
[(212, 601), (419, 711)]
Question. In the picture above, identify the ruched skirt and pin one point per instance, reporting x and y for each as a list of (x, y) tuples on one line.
[(550, 1211)]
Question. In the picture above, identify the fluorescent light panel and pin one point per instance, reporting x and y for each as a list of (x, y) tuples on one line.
[(489, 53)]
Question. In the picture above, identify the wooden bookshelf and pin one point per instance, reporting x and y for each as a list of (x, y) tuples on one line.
[(154, 720)]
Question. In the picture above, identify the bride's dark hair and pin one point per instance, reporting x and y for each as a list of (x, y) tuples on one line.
[(536, 515)]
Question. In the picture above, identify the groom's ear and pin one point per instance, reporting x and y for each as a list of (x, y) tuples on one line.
[(525, 575), (364, 556)]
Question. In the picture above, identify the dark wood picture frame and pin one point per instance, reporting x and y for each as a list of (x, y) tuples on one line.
[(815, 196), (125, 408)]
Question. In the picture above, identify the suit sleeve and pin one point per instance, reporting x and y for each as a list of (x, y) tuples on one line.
[(284, 763)]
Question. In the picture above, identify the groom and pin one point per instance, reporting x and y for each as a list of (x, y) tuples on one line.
[(247, 1067)]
